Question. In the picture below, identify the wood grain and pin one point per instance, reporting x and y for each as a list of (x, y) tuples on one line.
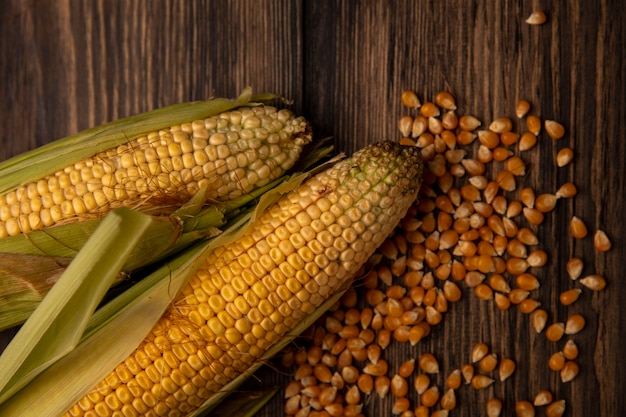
[(68, 65)]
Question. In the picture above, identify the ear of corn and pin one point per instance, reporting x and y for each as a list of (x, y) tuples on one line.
[(47, 252), (145, 164), (248, 294)]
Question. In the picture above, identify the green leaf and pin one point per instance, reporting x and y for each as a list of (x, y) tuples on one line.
[(56, 326), (113, 332)]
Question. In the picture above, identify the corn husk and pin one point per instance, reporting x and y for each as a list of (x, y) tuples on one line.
[(47, 252), (55, 382), (56, 326)]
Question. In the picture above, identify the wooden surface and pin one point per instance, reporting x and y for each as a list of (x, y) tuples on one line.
[(69, 65)]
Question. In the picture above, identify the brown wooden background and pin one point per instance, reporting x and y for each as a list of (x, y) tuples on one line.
[(69, 65)]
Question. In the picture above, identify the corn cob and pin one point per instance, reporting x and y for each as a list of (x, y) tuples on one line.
[(231, 153), (248, 294)]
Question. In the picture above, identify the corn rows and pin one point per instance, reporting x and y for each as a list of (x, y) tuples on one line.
[(230, 154), (470, 231)]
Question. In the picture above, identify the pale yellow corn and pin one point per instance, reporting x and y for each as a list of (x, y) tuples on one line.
[(233, 152), (247, 295)]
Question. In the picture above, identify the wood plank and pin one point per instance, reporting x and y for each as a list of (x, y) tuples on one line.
[(74, 64), (361, 55)]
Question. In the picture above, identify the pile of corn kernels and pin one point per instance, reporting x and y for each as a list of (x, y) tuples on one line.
[(472, 230)]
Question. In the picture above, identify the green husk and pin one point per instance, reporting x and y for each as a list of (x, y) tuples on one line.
[(56, 326), (116, 329), (46, 159)]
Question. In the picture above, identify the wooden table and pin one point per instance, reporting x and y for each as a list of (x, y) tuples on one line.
[(69, 65)]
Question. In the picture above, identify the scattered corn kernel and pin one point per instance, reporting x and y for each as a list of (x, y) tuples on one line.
[(524, 409), (410, 99), (555, 331), (555, 409), (543, 397), (601, 241), (574, 324), (570, 350), (578, 228), (538, 319), (494, 407), (554, 129), (506, 368), (564, 156), (569, 371), (537, 17), (481, 381), (593, 282), (570, 296)]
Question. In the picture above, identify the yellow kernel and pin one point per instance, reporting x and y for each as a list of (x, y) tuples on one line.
[(570, 350), (479, 351), (569, 371), (527, 141), (564, 156), (489, 138), (567, 190), (449, 121), (574, 324), (556, 361), (429, 109), (524, 409), (494, 407), (406, 368), (534, 124), (517, 295), (601, 241), (537, 17), (502, 301), (555, 409), (453, 381), (430, 397), (483, 292), (399, 387), (467, 371), (381, 385), (554, 129), (501, 125), (538, 319), (578, 228), (506, 369), (527, 282), (421, 383), (522, 107), (410, 99), (400, 406), (481, 381), (545, 202), (593, 282), (555, 332), (488, 363), (528, 305), (365, 383), (448, 400), (569, 296), (419, 126), (468, 123), (543, 397), (446, 100), (428, 363), (405, 124), (509, 138)]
